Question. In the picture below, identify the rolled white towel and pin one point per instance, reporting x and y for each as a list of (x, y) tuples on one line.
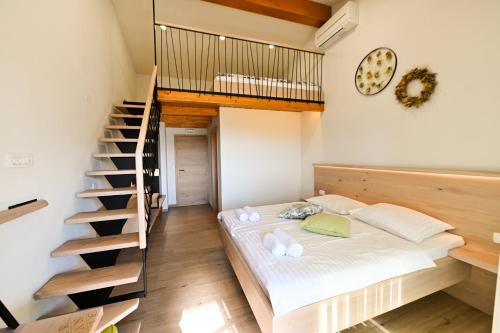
[(241, 214), (253, 215), (273, 244), (293, 248)]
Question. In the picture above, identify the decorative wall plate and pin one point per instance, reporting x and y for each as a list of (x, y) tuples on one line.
[(375, 71)]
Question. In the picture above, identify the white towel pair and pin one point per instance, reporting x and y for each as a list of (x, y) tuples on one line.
[(280, 244), (247, 214)]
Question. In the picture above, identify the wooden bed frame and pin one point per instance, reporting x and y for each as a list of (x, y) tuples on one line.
[(458, 198)]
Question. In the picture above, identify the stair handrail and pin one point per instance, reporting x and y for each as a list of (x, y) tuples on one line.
[(139, 152)]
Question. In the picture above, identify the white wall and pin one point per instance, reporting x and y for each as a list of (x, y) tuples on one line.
[(142, 86), (456, 129), (62, 64), (260, 153), (171, 174)]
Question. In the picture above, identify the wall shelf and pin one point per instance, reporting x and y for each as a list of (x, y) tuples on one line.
[(476, 257), (14, 213)]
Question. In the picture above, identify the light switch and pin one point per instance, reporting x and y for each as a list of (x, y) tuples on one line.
[(496, 237), (19, 161)]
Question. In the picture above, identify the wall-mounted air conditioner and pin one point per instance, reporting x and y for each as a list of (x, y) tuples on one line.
[(343, 21)]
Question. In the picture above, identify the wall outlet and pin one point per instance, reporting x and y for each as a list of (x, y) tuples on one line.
[(322, 192), (19, 161)]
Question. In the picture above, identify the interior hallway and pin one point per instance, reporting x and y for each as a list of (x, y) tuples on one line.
[(192, 288)]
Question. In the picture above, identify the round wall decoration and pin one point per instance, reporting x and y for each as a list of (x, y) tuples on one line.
[(428, 83), (376, 71)]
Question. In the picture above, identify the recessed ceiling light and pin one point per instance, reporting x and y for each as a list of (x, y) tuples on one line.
[(222, 37), (163, 27), (271, 46)]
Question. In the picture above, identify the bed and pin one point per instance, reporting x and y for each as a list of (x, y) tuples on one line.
[(277, 309), (265, 86)]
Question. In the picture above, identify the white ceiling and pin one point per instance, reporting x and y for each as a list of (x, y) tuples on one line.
[(135, 17)]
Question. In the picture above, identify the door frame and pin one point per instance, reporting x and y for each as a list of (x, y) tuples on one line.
[(214, 168), (175, 163)]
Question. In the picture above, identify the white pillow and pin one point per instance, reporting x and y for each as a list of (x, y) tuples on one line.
[(336, 203), (401, 221)]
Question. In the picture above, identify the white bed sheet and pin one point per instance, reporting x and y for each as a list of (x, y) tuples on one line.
[(437, 246), (330, 266)]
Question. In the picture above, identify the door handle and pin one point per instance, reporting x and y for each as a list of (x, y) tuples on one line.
[(182, 170)]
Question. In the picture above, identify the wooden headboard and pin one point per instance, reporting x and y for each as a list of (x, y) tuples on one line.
[(470, 201)]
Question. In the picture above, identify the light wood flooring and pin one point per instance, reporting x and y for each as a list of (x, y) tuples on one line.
[(192, 289)]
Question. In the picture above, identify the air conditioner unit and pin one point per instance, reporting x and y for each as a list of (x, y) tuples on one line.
[(343, 21)]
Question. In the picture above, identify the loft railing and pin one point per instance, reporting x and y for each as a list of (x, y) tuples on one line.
[(204, 62), (146, 159)]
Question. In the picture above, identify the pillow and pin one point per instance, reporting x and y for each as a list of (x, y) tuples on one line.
[(111, 329), (328, 224), (336, 203), (401, 221), (300, 211)]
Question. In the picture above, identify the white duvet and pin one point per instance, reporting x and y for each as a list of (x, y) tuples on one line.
[(329, 267)]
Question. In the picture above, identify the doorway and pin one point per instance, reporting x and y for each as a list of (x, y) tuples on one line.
[(191, 167)]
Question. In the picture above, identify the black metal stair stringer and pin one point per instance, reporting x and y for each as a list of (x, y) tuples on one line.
[(124, 162), (91, 298), (101, 259), (126, 147), (120, 181), (133, 121), (130, 133)]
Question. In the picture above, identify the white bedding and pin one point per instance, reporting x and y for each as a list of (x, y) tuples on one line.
[(330, 266), (438, 245)]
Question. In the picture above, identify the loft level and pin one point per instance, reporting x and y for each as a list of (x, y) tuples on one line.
[(200, 68), (194, 99)]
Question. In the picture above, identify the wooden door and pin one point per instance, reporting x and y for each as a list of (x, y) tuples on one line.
[(191, 164)]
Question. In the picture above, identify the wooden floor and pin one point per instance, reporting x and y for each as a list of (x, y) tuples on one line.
[(192, 289)]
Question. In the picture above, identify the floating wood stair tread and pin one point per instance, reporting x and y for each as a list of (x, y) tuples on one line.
[(80, 281), (14, 213), (125, 115), (109, 155), (121, 127), (97, 244), (111, 172), (128, 106), (103, 192), (102, 215), (115, 312), (476, 257), (131, 327), (112, 140), (84, 321), (156, 212)]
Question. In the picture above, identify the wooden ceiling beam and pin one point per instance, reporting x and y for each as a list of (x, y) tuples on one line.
[(298, 11), (186, 121), (215, 100), (186, 125), (196, 119), (189, 110)]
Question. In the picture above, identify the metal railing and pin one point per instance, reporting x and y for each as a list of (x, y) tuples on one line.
[(204, 62)]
